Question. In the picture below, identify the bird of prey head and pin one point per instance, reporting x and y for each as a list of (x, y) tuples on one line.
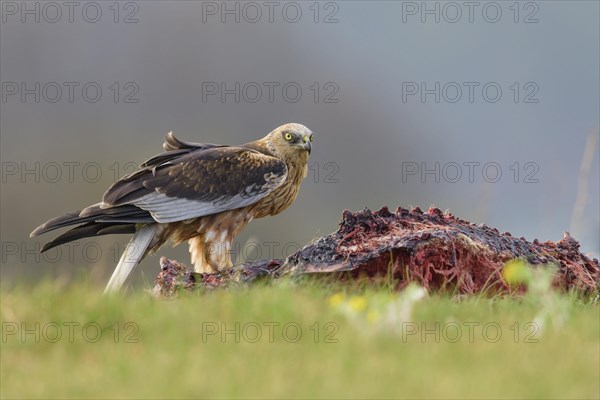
[(290, 141)]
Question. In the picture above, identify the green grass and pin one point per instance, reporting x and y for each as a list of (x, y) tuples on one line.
[(170, 355)]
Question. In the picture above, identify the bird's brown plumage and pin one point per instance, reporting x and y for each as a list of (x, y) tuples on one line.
[(203, 193)]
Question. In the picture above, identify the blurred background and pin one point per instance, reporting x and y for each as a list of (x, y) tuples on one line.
[(490, 111)]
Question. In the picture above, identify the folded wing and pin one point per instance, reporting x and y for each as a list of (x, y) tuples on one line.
[(194, 180)]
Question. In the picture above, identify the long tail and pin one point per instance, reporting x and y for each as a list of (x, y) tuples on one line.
[(133, 254), (96, 221)]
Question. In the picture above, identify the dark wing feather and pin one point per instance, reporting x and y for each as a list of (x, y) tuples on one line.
[(88, 230), (203, 181), (172, 143), (174, 148), (94, 213)]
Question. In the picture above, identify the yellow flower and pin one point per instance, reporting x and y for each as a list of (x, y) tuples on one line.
[(516, 272), (357, 303), (336, 299)]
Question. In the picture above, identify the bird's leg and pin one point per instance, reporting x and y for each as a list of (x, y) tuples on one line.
[(219, 252), (211, 256), (204, 267), (200, 259)]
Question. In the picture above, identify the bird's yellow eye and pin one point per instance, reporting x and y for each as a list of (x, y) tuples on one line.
[(288, 136), (311, 138)]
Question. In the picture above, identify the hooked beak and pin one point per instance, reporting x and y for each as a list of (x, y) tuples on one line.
[(307, 147)]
